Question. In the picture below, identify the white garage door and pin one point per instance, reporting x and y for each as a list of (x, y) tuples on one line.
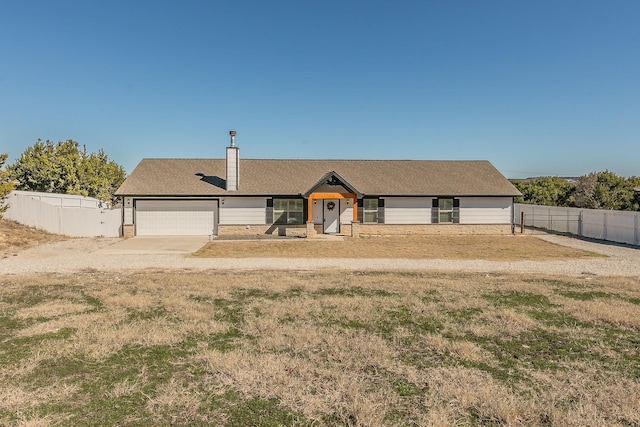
[(175, 217)]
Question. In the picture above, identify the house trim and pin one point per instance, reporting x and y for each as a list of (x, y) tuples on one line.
[(334, 179)]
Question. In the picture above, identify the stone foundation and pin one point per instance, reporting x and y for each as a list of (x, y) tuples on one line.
[(295, 232), (128, 231), (346, 229), (252, 230), (356, 229), (359, 229), (311, 229)]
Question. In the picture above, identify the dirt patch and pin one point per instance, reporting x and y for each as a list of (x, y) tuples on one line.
[(15, 237), (493, 248)]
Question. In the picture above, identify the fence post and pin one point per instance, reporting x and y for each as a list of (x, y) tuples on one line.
[(580, 223), (521, 222)]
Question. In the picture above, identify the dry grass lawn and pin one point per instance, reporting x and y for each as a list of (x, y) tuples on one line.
[(495, 248), (14, 236), (332, 348)]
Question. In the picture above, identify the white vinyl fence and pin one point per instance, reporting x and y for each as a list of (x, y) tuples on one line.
[(614, 226), (66, 214)]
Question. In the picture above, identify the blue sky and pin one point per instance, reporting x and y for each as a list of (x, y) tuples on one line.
[(536, 87)]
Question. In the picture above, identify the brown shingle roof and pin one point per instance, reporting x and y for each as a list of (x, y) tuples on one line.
[(206, 177)]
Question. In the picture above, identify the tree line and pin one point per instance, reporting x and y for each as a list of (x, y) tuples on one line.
[(62, 167), (597, 190)]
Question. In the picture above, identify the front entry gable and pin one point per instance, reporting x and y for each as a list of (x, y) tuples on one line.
[(332, 182)]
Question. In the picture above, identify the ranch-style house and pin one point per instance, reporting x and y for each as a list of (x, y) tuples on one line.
[(234, 196)]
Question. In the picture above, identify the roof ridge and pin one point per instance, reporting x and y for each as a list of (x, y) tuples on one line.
[(318, 160)]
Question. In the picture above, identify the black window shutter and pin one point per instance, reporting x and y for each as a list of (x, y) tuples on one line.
[(360, 210), (380, 211), (435, 211), (305, 211), (456, 211), (269, 211)]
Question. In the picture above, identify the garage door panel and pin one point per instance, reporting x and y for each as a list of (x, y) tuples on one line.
[(175, 217)]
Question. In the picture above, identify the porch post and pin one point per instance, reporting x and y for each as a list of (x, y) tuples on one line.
[(355, 207), (309, 208)]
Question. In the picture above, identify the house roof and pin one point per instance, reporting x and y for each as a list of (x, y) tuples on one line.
[(206, 177)]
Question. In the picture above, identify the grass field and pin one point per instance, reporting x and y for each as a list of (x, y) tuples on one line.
[(321, 348)]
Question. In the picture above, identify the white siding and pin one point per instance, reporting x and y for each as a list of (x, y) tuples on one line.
[(127, 209), (233, 169), (128, 216), (243, 211), (317, 211), (407, 210), (485, 210), (346, 211)]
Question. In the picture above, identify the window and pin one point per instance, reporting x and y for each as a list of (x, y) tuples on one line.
[(445, 210), (288, 211), (370, 210)]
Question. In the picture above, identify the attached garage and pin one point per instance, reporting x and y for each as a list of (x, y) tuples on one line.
[(175, 217)]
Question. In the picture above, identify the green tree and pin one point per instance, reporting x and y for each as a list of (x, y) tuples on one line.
[(634, 182), (6, 185), (63, 168), (606, 190), (98, 176), (546, 190)]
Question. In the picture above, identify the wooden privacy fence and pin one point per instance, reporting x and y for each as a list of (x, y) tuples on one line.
[(614, 226), (66, 214)]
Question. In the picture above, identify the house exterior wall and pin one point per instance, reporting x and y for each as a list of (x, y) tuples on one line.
[(243, 211), (485, 210), (318, 211), (127, 211), (473, 210), (407, 210), (346, 211), (403, 215), (326, 188)]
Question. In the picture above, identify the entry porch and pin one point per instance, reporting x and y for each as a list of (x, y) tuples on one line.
[(330, 213)]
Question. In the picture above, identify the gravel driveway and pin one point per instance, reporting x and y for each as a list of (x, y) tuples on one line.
[(83, 255)]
